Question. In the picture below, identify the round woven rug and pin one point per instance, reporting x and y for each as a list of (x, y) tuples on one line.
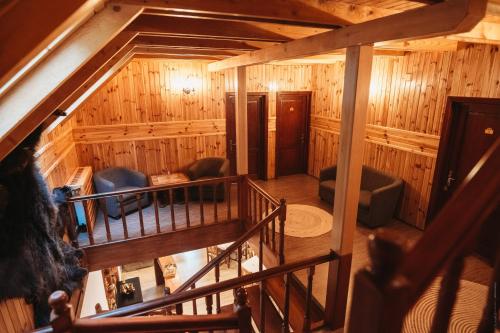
[(307, 221), (466, 315)]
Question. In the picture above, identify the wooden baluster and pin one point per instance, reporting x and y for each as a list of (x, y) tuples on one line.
[(273, 230), (307, 314), (282, 219), (124, 219), (242, 309), (209, 302), (179, 309), (172, 213), (61, 316), (286, 309), (239, 260), (186, 203), (255, 220), (262, 303), (228, 199), (73, 225), (104, 208), (202, 212), (260, 208), (217, 279), (216, 218), (447, 296), (157, 214), (89, 223), (261, 248), (195, 308), (139, 209), (266, 210), (167, 292)]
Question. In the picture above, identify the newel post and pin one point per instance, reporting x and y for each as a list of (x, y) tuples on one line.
[(243, 198), (242, 309), (282, 219), (379, 297), (62, 316)]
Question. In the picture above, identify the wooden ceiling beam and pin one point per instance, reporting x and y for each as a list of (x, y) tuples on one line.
[(450, 17), (187, 27), (176, 57), (187, 52), (21, 101), (27, 27), (289, 12), (194, 43)]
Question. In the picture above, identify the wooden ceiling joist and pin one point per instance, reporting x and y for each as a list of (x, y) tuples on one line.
[(36, 23), (289, 12), (22, 99), (187, 27), (450, 17), (193, 43), (187, 52)]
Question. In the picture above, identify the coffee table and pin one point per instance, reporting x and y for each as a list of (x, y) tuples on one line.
[(168, 179), (135, 297)]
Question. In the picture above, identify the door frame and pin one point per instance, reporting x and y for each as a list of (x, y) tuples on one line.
[(264, 130), (450, 119), (308, 95)]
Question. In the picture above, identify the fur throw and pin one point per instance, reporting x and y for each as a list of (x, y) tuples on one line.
[(34, 260)]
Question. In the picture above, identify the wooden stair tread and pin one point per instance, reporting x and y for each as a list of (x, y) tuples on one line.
[(275, 287), (273, 318)]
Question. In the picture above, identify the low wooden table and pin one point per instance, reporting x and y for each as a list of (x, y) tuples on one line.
[(168, 179), (124, 300)]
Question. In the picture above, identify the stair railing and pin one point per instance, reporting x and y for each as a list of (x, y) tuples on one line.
[(165, 194), (384, 292)]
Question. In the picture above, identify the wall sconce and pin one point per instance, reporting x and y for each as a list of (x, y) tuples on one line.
[(187, 84), (187, 91)]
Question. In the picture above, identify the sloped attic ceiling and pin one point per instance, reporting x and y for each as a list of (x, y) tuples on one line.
[(70, 48)]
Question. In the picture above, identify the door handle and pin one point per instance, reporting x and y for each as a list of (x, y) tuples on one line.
[(231, 145), (449, 181)]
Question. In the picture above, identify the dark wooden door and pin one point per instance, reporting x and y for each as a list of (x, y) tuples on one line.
[(470, 127), (292, 129), (257, 134)]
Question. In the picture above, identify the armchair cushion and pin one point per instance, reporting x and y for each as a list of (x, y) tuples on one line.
[(378, 197)]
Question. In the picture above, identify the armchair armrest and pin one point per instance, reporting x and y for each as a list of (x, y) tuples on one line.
[(329, 173), (224, 169), (383, 202)]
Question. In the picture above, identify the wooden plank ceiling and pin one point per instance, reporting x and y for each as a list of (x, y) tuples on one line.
[(189, 29)]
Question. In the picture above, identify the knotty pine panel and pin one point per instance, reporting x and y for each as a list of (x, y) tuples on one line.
[(56, 155)]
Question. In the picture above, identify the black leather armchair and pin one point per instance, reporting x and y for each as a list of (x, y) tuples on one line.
[(378, 197), (207, 168)]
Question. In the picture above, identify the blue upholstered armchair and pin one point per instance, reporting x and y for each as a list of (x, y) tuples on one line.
[(120, 179)]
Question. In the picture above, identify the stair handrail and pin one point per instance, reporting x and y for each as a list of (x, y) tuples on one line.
[(396, 279), (230, 249)]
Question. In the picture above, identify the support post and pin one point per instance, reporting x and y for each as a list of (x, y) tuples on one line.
[(241, 121), (352, 131)]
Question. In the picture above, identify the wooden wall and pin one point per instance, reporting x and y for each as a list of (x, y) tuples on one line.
[(16, 316), (406, 107), (56, 154), (143, 120)]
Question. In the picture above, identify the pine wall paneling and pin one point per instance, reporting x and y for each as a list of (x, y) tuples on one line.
[(56, 155), (407, 101)]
